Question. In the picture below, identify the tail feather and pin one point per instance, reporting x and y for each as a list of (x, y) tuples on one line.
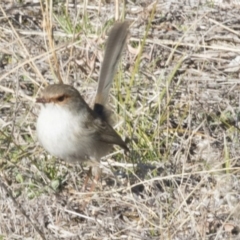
[(114, 47)]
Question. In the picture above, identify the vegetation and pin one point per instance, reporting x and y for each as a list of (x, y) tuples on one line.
[(175, 99)]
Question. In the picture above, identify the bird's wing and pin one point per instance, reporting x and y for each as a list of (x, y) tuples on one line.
[(103, 132)]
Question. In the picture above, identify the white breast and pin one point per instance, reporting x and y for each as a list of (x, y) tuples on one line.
[(64, 135), (56, 130)]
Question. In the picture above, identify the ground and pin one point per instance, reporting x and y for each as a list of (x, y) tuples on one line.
[(175, 99)]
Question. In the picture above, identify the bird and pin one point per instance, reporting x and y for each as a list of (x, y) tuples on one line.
[(68, 128)]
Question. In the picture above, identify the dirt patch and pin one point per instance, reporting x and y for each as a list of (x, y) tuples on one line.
[(176, 97)]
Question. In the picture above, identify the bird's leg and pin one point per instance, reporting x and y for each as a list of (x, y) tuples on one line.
[(89, 175), (96, 172)]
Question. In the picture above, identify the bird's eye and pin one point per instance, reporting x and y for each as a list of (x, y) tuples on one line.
[(61, 98)]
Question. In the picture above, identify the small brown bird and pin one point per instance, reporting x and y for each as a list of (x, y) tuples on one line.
[(67, 127)]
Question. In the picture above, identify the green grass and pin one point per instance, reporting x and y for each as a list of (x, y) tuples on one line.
[(169, 98)]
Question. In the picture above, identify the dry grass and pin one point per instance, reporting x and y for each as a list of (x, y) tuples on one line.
[(176, 97)]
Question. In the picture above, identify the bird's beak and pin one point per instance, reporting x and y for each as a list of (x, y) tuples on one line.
[(41, 100)]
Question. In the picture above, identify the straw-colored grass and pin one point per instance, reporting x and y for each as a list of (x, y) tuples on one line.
[(175, 98)]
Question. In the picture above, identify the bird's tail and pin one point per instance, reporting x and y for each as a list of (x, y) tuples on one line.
[(114, 47)]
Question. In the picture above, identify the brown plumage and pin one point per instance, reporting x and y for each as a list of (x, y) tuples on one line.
[(67, 127)]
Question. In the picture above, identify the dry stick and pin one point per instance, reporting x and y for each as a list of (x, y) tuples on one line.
[(185, 174), (165, 43), (22, 45), (18, 206), (8, 90), (162, 43), (49, 30), (116, 10), (73, 38), (223, 26), (27, 61)]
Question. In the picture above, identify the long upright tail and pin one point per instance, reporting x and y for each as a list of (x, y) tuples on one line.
[(114, 47)]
